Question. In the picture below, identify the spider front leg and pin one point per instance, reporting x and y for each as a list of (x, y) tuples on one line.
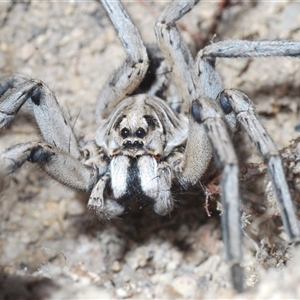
[(59, 154), (53, 125), (208, 131), (237, 104), (127, 78), (205, 113), (60, 165), (181, 63), (238, 107), (176, 51)]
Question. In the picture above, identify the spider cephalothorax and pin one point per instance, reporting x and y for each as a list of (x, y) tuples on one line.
[(139, 136), (146, 144), (140, 125)]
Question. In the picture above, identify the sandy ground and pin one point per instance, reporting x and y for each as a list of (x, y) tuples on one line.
[(51, 247)]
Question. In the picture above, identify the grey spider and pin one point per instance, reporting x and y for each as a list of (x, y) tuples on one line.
[(155, 132)]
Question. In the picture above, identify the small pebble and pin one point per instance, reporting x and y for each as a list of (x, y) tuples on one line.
[(116, 267)]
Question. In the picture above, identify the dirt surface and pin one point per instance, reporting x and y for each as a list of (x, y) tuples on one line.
[(51, 247)]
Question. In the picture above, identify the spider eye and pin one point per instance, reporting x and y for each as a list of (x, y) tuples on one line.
[(225, 104), (125, 133), (140, 133)]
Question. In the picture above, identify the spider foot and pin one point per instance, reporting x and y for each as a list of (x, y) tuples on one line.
[(237, 275), (164, 202), (105, 211)]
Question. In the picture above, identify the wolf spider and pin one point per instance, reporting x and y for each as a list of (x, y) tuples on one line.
[(163, 117)]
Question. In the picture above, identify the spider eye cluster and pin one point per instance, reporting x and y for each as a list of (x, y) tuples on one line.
[(140, 133)]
